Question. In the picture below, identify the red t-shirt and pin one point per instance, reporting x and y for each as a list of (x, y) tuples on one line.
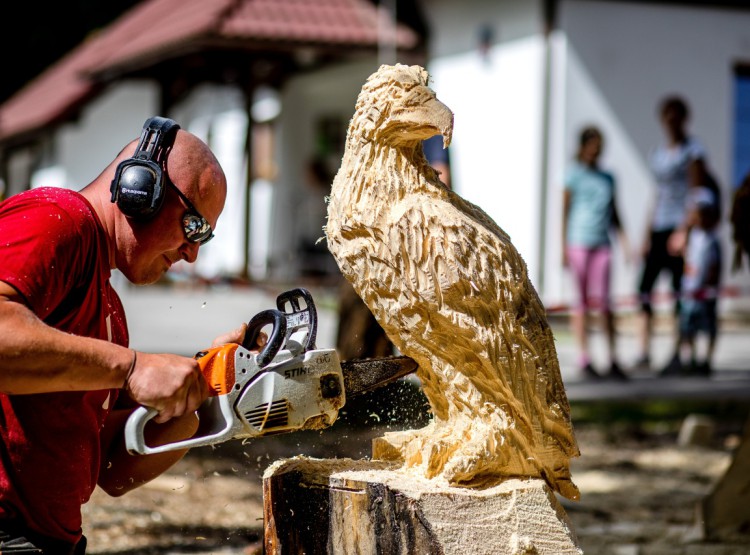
[(53, 250)]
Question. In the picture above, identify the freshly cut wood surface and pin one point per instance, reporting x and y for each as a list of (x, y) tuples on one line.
[(451, 291), (343, 506)]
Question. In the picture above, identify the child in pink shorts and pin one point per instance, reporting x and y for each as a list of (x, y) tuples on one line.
[(589, 216)]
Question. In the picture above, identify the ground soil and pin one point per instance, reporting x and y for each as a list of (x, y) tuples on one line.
[(639, 489)]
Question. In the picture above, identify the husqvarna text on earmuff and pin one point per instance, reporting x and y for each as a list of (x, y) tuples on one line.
[(139, 185)]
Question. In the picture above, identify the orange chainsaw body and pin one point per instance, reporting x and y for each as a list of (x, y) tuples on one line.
[(217, 366)]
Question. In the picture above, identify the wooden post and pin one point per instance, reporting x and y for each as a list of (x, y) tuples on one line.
[(724, 514), (343, 506)]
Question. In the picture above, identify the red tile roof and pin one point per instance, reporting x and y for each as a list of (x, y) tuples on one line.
[(159, 29)]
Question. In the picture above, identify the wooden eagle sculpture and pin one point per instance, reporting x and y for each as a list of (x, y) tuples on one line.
[(452, 292)]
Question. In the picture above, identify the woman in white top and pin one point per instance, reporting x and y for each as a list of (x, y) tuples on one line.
[(670, 163)]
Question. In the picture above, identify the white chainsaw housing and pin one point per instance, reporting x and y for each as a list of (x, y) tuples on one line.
[(295, 391)]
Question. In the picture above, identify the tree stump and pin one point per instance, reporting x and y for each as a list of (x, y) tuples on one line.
[(344, 506)]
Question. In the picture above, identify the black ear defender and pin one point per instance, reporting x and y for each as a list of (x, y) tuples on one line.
[(139, 185)]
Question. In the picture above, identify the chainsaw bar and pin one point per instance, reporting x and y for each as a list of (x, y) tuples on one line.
[(361, 376)]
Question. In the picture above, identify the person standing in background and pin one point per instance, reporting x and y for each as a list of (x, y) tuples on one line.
[(700, 282), (589, 216), (739, 218), (670, 164)]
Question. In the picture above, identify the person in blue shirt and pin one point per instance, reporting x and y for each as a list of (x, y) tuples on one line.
[(589, 218)]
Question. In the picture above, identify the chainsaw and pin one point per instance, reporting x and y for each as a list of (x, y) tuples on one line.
[(286, 386)]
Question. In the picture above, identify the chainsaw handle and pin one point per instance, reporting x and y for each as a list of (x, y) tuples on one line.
[(299, 317), (275, 341), (216, 424), (135, 441), (290, 317)]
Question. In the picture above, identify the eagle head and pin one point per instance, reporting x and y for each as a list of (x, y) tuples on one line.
[(396, 106)]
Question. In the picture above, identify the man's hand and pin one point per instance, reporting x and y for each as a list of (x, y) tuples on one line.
[(238, 336), (234, 336), (171, 384)]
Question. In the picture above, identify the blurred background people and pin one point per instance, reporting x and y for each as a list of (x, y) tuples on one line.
[(589, 217), (670, 163), (700, 283), (740, 220)]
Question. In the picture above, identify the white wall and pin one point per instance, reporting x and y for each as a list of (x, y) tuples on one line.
[(577, 103), (217, 114), (455, 26), (108, 124), (80, 150), (497, 100), (611, 64)]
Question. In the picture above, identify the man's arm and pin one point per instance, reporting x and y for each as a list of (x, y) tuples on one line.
[(121, 472), (564, 235), (36, 358)]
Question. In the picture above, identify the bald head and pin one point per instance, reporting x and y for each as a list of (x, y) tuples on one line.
[(191, 166), (195, 170), (137, 243)]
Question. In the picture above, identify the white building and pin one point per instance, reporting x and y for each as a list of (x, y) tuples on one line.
[(522, 77), (521, 95)]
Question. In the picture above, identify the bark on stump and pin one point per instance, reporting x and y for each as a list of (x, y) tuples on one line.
[(344, 506)]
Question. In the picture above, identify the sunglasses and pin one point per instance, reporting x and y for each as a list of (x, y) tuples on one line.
[(196, 227)]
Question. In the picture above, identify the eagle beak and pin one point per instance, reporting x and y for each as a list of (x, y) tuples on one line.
[(442, 120), (447, 136)]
